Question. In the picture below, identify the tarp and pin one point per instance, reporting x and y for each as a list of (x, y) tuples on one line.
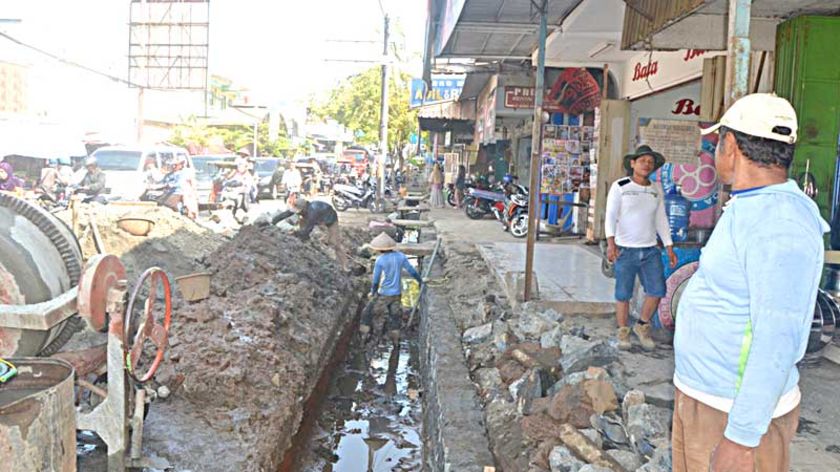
[(39, 140)]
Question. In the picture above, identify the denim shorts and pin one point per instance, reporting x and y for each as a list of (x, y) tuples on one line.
[(645, 262)]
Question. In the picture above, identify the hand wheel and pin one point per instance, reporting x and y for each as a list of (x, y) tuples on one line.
[(147, 327)]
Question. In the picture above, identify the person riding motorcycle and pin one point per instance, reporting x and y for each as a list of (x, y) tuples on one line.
[(93, 183)]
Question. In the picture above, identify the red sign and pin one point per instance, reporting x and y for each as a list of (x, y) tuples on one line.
[(643, 72), (519, 97), (686, 106)]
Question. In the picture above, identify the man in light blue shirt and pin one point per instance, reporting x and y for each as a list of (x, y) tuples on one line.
[(744, 318), (386, 288)]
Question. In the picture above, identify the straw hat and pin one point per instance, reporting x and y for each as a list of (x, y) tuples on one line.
[(383, 242)]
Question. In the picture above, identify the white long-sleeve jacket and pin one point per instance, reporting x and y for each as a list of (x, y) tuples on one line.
[(636, 214)]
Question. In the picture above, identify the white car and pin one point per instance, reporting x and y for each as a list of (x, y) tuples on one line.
[(123, 166)]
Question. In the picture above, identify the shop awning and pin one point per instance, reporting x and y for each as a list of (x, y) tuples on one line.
[(702, 24), (490, 29), (442, 125)]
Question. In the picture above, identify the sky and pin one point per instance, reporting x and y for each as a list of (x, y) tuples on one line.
[(276, 49)]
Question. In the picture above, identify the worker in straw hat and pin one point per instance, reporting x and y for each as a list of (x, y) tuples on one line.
[(387, 285)]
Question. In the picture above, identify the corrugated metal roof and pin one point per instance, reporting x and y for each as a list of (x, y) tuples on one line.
[(501, 29), (644, 19)]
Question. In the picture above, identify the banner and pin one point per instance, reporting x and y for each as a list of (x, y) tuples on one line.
[(445, 88)]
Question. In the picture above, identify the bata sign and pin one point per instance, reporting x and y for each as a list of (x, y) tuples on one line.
[(519, 97), (648, 73)]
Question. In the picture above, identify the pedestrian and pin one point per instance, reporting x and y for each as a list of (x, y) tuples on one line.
[(386, 287), (312, 214), (292, 180), (635, 216), (744, 318), (436, 185), (8, 181), (460, 185)]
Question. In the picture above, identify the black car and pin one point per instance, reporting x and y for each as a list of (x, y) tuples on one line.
[(269, 172)]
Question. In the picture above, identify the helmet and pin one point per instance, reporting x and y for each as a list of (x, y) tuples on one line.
[(52, 162), (90, 161), (507, 179)]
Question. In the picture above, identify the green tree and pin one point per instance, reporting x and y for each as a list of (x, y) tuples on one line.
[(355, 104)]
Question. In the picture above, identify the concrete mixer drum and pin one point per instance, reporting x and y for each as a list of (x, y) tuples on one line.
[(40, 259)]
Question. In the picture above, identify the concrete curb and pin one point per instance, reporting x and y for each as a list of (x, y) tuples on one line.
[(455, 430)]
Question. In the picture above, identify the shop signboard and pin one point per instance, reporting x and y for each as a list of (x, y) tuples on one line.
[(445, 88), (649, 72), (519, 97)]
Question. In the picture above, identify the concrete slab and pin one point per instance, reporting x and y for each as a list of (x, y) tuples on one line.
[(569, 276)]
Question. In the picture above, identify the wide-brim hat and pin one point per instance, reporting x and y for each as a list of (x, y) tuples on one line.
[(383, 242), (658, 159)]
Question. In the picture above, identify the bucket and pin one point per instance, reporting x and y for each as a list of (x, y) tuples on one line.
[(194, 287), (137, 226), (37, 417)]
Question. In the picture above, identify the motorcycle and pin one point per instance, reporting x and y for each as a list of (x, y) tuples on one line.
[(352, 196), (234, 195), (164, 195), (516, 215), (479, 203), (54, 201)]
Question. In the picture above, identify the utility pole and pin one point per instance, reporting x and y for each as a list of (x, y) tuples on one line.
[(383, 116), (536, 155)]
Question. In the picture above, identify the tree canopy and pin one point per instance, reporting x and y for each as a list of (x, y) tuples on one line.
[(355, 104)]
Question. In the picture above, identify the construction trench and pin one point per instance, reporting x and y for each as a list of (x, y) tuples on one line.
[(268, 373)]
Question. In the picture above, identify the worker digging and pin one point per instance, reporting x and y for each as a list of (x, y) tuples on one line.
[(386, 287)]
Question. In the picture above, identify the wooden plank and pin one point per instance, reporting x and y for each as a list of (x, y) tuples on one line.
[(832, 257), (414, 208), (414, 223)]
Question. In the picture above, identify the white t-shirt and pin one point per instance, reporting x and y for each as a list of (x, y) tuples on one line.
[(636, 214)]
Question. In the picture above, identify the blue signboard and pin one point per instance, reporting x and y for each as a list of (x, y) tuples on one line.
[(445, 88)]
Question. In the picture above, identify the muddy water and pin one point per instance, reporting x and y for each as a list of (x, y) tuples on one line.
[(371, 418)]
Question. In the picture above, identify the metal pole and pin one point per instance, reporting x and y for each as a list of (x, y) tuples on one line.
[(536, 152), (383, 116), (140, 118), (738, 51)]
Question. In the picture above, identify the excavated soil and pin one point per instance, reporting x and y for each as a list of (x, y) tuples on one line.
[(242, 363), (176, 243)]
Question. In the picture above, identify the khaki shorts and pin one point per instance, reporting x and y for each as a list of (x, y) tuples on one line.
[(698, 428)]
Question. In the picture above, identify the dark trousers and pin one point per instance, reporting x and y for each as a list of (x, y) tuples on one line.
[(392, 304)]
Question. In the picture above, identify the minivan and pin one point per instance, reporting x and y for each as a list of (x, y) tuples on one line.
[(123, 166)]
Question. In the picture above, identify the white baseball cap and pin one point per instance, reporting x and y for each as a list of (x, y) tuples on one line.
[(759, 114)]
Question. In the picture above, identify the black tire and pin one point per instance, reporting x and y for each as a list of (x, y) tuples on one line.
[(473, 213), (240, 209), (339, 203), (374, 206), (450, 199), (519, 225)]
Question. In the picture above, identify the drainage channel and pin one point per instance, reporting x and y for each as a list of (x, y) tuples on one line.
[(371, 417)]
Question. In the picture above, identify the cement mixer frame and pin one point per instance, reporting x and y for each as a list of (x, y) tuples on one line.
[(101, 298)]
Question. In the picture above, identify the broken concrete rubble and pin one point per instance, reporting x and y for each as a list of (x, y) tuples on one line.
[(580, 354), (575, 404), (646, 426), (530, 325), (611, 428), (478, 334), (585, 449), (526, 389), (628, 460), (562, 460)]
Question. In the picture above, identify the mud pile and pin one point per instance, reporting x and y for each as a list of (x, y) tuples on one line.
[(242, 363), (176, 243)]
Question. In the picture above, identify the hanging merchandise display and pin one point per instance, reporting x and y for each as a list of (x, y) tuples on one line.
[(565, 158)]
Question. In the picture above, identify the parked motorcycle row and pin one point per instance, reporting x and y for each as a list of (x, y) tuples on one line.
[(507, 201)]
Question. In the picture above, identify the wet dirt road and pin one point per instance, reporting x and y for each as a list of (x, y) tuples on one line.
[(371, 417)]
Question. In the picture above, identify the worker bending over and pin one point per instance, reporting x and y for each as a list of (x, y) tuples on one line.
[(314, 214), (387, 285)]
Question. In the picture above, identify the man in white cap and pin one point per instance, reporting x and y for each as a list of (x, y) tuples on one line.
[(744, 318), (386, 287)]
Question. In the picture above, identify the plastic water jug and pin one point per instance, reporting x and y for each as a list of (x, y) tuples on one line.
[(678, 209)]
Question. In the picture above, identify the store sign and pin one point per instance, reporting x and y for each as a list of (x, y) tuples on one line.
[(519, 97), (445, 88), (648, 73)]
